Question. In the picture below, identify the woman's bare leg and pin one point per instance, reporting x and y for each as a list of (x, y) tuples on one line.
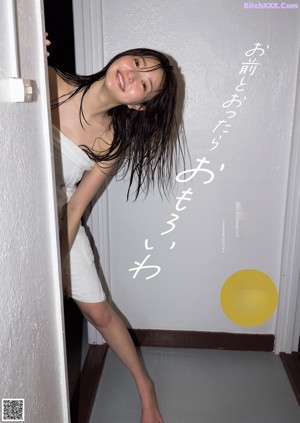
[(110, 325)]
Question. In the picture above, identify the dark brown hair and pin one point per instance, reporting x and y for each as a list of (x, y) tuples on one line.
[(145, 143)]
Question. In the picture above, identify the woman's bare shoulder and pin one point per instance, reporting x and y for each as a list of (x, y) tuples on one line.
[(57, 85), (53, 82)]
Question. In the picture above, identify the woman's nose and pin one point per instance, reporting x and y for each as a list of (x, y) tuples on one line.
[(132, 75)]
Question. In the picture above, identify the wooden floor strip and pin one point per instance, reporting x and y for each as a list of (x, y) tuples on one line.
[(209, 340), (85, 393), (292, 368)]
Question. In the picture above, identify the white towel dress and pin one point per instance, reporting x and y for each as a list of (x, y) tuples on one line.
[(70, 164)]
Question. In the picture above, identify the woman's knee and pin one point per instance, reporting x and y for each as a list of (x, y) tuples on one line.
[(98, 314)]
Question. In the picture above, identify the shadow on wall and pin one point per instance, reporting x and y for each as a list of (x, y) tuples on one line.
[(59, 25)]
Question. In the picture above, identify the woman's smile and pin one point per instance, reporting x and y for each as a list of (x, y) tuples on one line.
[(121, 81)]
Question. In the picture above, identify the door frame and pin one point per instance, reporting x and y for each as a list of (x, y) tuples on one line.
[(287, 328), (88, 40)]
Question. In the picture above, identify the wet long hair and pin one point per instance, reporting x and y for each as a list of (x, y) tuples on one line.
[(146, 144)]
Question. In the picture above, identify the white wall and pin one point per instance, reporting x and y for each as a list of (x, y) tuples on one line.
[(32, 356), (208, 40)]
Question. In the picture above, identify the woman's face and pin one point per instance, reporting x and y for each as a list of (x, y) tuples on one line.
[(132, 82)]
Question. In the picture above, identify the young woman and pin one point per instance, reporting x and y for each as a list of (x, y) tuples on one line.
[(121, 119)]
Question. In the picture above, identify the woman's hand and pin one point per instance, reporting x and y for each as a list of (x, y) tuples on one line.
[(47, 43)]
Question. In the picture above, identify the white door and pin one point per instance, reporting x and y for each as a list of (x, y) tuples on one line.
[(32, 351)]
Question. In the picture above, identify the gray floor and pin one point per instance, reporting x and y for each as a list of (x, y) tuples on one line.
[(201, 386)]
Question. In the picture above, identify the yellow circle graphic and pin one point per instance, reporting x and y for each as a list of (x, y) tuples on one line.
[(249, 297)]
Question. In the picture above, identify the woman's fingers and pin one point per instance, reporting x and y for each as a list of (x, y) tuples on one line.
[(47, 43)]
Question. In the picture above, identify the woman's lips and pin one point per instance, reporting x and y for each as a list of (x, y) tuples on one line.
[(121, 81)]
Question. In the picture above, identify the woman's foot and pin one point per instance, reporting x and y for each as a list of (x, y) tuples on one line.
[(150, 410)]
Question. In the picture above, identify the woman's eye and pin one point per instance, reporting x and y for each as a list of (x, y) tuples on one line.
[(144, 86), (137, 63)]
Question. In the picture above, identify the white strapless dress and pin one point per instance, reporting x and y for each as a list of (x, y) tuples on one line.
[(71, 162)]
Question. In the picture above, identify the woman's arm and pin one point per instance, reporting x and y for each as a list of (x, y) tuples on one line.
[(75, 208)]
